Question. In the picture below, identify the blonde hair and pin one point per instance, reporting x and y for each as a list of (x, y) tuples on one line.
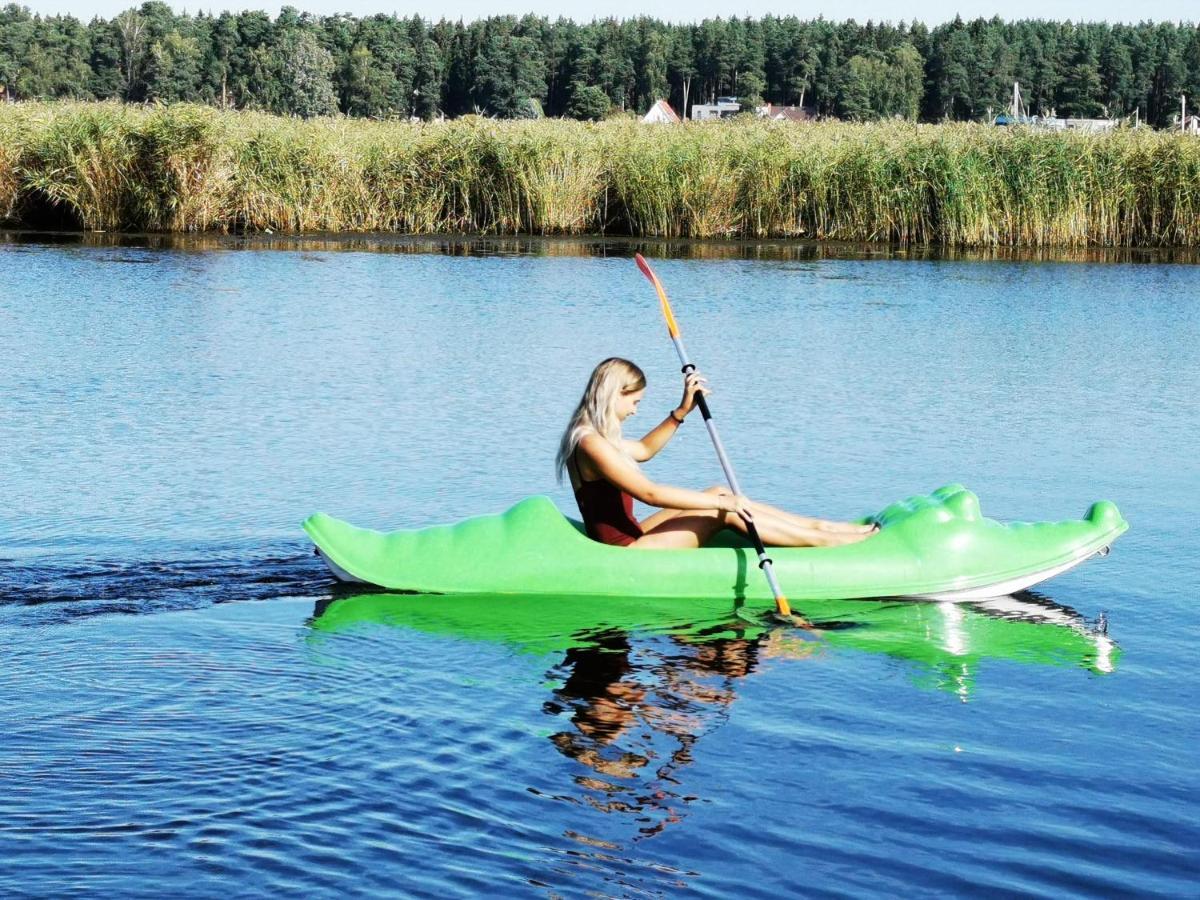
[(610, 379)]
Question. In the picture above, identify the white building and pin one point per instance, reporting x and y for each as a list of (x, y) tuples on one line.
[(787, 113), (1094, 126), (1018, 114), (722, 109)]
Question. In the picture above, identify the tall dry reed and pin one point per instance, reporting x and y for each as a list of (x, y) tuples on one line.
[(191, 168)]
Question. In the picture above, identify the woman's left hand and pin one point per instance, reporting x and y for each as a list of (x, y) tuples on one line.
[(693, 383)]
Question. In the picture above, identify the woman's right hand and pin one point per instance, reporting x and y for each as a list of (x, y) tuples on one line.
[(693, 384), (735, 503)]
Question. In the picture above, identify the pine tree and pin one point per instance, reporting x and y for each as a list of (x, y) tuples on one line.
[(1082, 91)]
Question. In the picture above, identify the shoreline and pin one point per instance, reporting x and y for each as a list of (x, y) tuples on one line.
[(601, 246)]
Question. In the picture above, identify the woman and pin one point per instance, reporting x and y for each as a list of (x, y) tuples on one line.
[(602, 466)]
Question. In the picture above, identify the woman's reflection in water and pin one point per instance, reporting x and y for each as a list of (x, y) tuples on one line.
[(636, 712)]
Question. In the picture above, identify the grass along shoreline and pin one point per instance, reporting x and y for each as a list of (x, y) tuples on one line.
[(186, 168)]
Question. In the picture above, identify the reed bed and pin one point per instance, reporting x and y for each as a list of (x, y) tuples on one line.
[(186, 168)]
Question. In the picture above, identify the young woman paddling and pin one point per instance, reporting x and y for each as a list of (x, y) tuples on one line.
[(602, 466)]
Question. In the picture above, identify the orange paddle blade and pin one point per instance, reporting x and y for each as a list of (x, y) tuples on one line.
[(662, 295)]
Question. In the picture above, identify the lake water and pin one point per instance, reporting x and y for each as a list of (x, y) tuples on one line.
[(189, 707)]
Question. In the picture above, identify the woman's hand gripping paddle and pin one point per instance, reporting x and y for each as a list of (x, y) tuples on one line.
[(782, 609)]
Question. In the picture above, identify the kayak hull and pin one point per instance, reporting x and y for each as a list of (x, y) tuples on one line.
[(936, 546)]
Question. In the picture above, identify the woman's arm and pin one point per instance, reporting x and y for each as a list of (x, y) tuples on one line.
[(656, 438), (694, 383), (608, 461)]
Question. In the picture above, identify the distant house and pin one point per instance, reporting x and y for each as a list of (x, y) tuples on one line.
[(1092, 126), (661, 114), (787, 113), (1191, 125), (722, 109), (1054, 123), (1018, 114), (1009, 119)]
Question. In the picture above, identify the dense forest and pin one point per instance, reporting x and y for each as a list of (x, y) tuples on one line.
[(386, 67)]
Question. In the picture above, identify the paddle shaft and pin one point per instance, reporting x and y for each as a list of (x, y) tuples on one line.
[(764, 561)]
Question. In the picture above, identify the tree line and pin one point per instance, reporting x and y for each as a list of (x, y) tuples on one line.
[(386, 66)]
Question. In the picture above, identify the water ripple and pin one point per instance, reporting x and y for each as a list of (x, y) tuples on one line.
[(187, 705)]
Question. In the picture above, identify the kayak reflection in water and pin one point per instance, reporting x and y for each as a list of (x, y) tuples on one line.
[(602, 466), (633, 705)]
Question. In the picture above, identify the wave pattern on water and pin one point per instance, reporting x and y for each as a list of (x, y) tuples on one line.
[(170, 411), (57, 592), (252, 753), (322, 741)]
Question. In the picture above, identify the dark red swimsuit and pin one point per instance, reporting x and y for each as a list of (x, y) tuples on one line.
[(606, 509)]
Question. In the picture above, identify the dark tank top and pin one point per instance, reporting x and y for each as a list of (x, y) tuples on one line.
[(606, 509)]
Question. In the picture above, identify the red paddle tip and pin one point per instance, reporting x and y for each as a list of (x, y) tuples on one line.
[(643, 265)]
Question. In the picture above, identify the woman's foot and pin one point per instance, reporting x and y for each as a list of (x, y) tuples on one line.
[(849, 528)]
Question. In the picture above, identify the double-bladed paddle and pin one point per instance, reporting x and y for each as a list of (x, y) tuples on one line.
[(764, 562)]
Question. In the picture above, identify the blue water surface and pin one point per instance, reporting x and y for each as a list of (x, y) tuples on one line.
[(188, 706)]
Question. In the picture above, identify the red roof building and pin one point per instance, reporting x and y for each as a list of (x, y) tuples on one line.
[(661, 113), (788, 113)]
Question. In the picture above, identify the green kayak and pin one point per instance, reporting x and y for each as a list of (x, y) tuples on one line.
[(936, 546)]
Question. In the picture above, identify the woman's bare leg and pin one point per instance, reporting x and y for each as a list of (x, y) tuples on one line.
[(680, 529), (808, 522), (765, 509), (691, 528), (782, 531)]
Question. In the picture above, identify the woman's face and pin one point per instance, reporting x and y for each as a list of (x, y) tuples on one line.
[(627, 403)]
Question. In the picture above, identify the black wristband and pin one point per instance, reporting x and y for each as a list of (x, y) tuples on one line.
[(673, 419)]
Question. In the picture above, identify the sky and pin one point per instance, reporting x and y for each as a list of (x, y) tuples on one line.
[(931, 12)]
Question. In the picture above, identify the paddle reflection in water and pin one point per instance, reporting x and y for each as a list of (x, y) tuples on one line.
[(636, 684)]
